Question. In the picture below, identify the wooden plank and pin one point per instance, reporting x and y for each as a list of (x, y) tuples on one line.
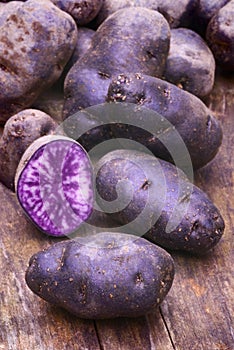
[(139, 333), (199, 309), (26, 321)]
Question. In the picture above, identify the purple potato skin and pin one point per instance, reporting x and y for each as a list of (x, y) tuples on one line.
[(220, 36), (18, 133), (198, 230), (83, 43), (118, 45), (37, 40), (83, 11), (190, 63), (107, 275), (54, 185), (200, 130), (176, 13)]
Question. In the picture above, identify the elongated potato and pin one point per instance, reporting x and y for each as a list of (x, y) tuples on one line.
[(132, 39), (154, 199), (199, 129), (176, 109), (107, 275)]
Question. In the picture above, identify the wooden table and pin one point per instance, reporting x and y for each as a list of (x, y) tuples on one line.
[(198, 312)]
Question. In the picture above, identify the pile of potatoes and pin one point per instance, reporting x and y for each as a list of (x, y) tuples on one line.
[(155, 55)]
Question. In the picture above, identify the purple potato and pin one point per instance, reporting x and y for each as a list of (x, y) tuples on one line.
[(37, 40), (107, 275), (83, 11), (200, 130), (190, 63), (133, 39), (220, 36), (156, 200), (18, 133), (203, 12), (54, 185)]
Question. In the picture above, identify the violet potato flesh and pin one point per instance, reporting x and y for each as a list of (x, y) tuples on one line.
[(54, 185)]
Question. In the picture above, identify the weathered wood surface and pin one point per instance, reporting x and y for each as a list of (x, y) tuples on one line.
[(198, 312)]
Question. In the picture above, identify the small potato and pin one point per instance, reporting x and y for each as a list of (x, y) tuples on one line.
[(36, 42), (155, 199), (190, 63), (107, 275), (83, 11), (133, 40), (19, 132), (220, 36)]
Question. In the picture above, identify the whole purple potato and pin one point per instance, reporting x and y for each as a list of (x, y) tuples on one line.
[(18, 133), (36, 42), (177, 13), (54, 185), (83, 11), (200, 131), (220, 36), (106, 275), (190, 63), (155, 199), (133, 39)]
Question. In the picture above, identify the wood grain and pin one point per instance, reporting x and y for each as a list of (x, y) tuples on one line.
[(198, 312)]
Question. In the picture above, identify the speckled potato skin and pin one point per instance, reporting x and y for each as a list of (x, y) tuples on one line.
[(190, 63), (19, 132), (83, 11), (177, 13), (201, 225), (199, 129), (107, 275), (220, 36), (132, 39), (37, 40)]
